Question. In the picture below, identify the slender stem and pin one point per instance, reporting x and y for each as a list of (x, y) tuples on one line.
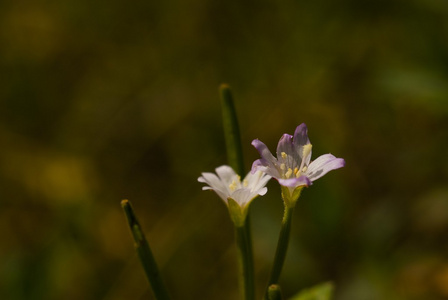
[(236, 161), (245, 263), (249, 257), (231, 130), (144, 253), (282, 246)]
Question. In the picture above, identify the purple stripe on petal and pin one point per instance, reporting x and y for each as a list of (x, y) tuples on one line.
[(301, 136), (259, 164), (265, 167), (267, 159), (285, 145), (264, 151), (295, 182), (301, 139)]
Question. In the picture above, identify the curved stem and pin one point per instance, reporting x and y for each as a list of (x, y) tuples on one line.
[(145, 254)]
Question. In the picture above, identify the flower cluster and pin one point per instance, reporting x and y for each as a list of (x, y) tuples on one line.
[(292, 168)]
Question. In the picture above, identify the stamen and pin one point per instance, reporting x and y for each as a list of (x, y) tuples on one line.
[(296, 170), (305, 153), (233, 186), (304, 169), (306, 150), (283, 167), (245, 183), (288, 174), (284, 155)]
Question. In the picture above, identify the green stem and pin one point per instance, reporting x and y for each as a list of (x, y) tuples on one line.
[(245, 262), (236, 161), (144, 253), (274, 292), (231, 130), (250, 257), (282, 246)]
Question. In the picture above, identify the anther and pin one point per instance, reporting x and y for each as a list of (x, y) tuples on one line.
[(306, 150), (233, 186), (284, 155), (305, 153)]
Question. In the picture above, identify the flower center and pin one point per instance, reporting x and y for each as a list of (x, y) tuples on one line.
[(288, 173), (297, 172), (233, 186), (294, 172)]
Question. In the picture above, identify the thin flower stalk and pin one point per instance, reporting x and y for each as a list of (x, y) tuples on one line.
[(237, 194), (236, 161)]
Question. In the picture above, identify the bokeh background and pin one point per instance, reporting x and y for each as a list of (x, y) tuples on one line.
[(106, 100)]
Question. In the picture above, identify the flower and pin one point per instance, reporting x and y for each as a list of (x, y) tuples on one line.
[(236, 194), (228, 185), (293, 167)]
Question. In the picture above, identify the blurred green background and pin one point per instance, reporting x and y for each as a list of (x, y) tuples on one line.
[(106, 100)]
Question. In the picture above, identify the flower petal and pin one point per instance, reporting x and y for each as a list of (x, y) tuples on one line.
[(262, 182), (285, 146), (211, 179), (259, 165), (322, 165), (295, 182), (263, 191), (226, 174), (264, 151), (301, 136), (257, 180), (301, 139), (267, 163), (214, 184), (243, 196)]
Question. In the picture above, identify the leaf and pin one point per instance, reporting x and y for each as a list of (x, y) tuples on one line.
[(323, 291)]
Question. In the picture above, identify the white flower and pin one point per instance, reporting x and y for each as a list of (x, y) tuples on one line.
[(227, 184)]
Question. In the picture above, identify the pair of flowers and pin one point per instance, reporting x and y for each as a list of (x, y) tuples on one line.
[(292, 168)]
